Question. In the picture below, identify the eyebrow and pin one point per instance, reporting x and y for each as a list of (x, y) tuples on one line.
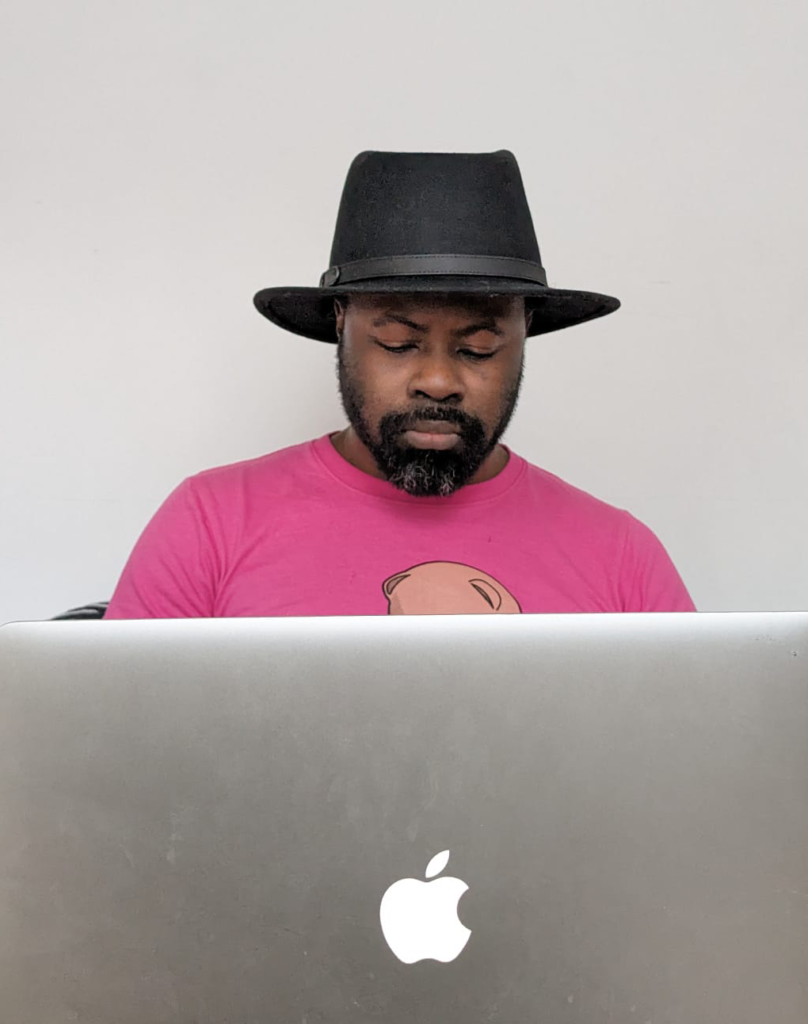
[(489, 324)]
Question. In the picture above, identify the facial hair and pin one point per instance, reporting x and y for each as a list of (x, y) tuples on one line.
[(424, 472)]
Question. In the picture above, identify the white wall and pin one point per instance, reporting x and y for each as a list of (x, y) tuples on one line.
[(163, 160)]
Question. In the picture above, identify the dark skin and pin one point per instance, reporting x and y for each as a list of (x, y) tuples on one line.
[(460, 352)]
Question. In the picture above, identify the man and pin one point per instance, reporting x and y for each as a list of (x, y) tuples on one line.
[(416, 507)]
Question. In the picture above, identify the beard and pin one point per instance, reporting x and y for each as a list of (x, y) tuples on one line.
[(424, 473)]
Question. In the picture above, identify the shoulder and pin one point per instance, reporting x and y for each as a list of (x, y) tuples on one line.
[(560, 499), (284, 469), (580, 518), (640, 568)]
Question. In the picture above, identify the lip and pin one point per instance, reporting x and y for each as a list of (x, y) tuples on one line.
[(439, 440), (434, 427)]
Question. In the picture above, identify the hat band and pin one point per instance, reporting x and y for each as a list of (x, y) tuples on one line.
[(434, 265)]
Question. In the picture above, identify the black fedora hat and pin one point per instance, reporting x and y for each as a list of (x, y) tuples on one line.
[(456, 223)]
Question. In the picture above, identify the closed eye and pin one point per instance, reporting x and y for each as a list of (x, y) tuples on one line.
[(477, 356), (395, 348)]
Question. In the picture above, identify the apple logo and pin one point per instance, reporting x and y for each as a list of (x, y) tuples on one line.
[(419, 919)]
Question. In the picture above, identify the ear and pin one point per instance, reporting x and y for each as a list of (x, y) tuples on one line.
[(488, 593), (339, 314), (390, 584)]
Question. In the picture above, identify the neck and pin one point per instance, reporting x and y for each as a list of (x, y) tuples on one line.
[(353, 450)]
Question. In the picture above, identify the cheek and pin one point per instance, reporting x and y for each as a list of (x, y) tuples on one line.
[(487, 392), (385, 391)]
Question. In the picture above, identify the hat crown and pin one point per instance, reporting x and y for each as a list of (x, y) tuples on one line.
[(397, 204)]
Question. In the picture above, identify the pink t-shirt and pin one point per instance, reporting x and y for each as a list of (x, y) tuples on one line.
[(303, 532)]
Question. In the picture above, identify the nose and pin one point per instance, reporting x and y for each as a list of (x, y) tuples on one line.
[(436, 378)]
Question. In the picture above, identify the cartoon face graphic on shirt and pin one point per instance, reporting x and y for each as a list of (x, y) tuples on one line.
[(447, 588)]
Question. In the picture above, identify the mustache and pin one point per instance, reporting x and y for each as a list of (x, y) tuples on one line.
[(401, 421)]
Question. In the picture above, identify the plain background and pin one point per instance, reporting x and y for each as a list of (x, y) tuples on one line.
[(161, 161)]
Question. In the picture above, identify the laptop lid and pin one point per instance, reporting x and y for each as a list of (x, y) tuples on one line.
[(573, 819)]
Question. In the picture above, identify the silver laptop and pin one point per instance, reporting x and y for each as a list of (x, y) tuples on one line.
[(452, 819)]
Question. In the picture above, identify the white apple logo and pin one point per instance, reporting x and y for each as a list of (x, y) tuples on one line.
[(419, 919)]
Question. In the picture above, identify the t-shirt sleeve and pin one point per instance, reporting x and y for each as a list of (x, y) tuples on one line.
[(649, 581), (172, 571)]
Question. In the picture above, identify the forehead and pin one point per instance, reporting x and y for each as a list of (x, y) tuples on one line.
[(439, 304)]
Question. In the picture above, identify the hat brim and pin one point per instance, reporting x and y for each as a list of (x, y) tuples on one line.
[(309, 312)]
